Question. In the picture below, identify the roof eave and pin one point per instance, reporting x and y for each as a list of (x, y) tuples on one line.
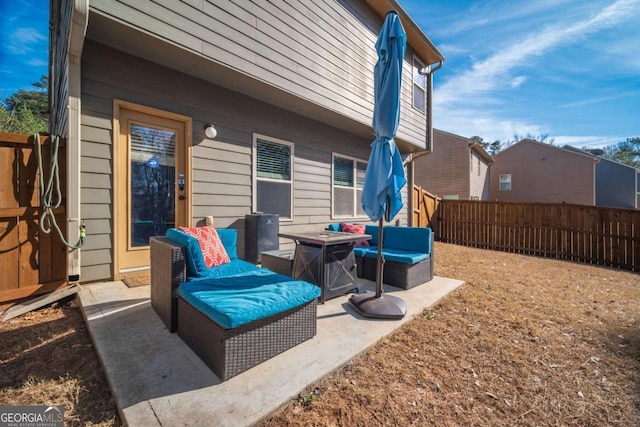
[(416, 38)]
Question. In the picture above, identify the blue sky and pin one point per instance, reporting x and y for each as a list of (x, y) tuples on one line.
[(566, 68), (24, 44)]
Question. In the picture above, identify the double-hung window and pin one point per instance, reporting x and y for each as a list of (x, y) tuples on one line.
[(273, 176), (347, 178), (505, 182), (419, 85)]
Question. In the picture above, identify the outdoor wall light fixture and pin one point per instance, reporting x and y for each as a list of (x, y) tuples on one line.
[(210, 131)]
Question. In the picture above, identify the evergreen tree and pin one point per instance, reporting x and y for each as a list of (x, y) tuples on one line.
[(25, 111), (627, 152)]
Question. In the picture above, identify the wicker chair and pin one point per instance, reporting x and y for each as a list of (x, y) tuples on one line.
[(227, 352)]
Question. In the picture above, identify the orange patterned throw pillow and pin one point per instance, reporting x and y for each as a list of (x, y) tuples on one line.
[(356, 229), (213, 251)]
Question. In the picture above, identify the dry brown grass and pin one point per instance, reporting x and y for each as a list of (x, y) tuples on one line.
[(526, 341), (47, 358)]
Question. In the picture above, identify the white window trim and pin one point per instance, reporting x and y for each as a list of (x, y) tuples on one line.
[(413, 85), (355, 193), (500, 182), (254, 172)]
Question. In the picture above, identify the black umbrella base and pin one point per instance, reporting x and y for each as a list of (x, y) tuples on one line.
[(383, 307)]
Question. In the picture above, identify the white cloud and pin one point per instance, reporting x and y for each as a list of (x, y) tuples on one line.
[(488, 74), (471, 122), (465, 103), (517, 81), (24, 40), (587, 141), (38, 63), (589, 101)]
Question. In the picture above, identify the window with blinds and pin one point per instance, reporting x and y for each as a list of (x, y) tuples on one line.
[(273, 177), (347, 183)]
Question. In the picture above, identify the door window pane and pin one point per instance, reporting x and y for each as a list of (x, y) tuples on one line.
[(152, 177)]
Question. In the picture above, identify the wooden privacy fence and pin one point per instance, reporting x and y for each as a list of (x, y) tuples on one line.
[(425, 205), (31, 262), (589, 234)]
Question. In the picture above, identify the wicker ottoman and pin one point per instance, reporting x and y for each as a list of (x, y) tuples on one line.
[(229, 352), (400, 275)]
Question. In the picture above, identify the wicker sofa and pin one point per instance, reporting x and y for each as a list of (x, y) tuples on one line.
[(407, 251), (220, 313)]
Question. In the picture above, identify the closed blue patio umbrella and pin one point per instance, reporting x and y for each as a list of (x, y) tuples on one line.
[(384, 178)]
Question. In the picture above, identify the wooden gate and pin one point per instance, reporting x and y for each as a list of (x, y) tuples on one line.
[(31, 262), (425, 205)]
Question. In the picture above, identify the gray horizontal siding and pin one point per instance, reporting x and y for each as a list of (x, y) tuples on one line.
[(222, 168), (322, 51)]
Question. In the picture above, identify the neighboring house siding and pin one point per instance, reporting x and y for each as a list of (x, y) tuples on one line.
[(479, 178), (445, 171), (222, 182), (322, 52), (543, 173), (615, 185)]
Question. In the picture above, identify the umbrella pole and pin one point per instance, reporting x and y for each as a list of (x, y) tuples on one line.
[(380, 262), (373, 304)]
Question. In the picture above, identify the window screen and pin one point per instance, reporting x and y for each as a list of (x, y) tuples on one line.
[(419, 85), (274, 181), (505, 182), (348, 181)]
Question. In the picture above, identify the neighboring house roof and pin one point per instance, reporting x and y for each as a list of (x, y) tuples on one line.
[(544, 144), (480, 151), (589, 153)]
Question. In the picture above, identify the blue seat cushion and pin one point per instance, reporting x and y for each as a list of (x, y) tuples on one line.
[(398, 255), (237, 300), (233, 268), (366, 251)]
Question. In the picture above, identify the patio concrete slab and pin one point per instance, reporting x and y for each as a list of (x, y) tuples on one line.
[(157, 380)]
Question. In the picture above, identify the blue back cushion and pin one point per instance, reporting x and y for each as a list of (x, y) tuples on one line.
[(195, 261), (410, 239), (334, 227), (372, 230), (229, 239)]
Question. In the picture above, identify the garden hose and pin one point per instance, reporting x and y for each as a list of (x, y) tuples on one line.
[(48, 219)]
